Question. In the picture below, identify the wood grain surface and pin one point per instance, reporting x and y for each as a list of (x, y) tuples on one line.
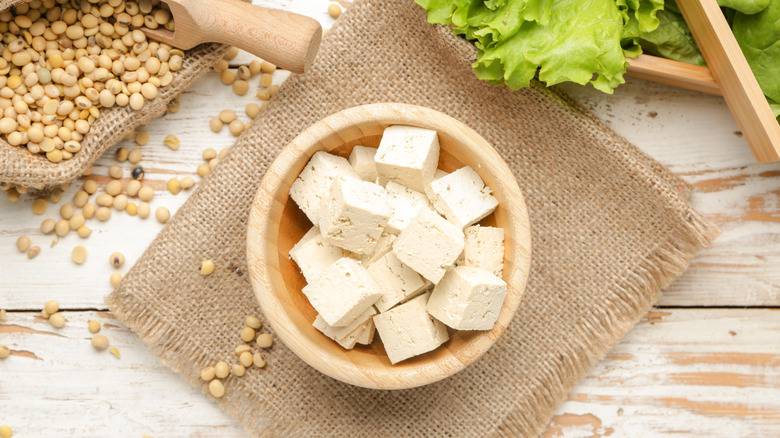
[(706, 362)]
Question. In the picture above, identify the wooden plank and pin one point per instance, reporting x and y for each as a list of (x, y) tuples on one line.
[(691, 372), (83, 392), (683, 373)]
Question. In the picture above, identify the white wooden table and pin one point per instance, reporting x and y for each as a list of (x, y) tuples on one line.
[(705, 362)]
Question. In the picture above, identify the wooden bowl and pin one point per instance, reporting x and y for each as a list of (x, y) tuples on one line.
[(276, 224)]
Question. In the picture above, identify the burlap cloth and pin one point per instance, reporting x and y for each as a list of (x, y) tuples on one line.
[(20, 167), (611, 227)]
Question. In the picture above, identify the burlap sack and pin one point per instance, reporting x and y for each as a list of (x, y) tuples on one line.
[(19, 167), (610, 228)]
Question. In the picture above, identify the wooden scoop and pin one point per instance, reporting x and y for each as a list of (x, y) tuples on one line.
[(283, 38)]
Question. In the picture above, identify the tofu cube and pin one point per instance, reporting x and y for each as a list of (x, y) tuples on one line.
[(313, 184), (468, 298), (408, 330), (367, 336), (408, 156), (362, 160), (396, 281), (484, 249), (404, 203), (349, 335), (429, 245), (462, 197), (313, 255), (383, 245), (342, 292), (354, 215), (439, 174)]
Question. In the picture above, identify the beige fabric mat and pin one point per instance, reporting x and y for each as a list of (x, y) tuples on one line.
[(610, 228), (19, 167)]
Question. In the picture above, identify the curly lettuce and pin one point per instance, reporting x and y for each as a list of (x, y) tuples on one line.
[(582, 41)]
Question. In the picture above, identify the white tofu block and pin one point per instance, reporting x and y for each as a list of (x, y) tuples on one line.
[(429, 245), (347, 336), (313, 184), (408, 330), (468, 298), (439, 174), (367, 337), (484, 249), (383, 245), (408, 156), (354, 215), (348, 342), (404, 203), (342, 292), (396, 281), (462, 197), (313, 254), (362, 160)]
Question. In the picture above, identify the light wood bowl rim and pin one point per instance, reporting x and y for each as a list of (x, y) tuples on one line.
[(273, 193)]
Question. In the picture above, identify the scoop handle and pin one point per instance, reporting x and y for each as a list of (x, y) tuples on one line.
[(286, 39)]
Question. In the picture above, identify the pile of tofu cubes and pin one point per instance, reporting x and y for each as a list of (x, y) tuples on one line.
[(394, 247)]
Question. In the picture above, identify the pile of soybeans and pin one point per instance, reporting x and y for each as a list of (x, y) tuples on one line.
[(65, 60)]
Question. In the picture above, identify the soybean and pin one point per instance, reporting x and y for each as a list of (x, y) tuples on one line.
[(116, 259), (247, 334), (221, 369), (253, 322), (208, 374), (174, 186), (172, 142), (47, 226), (216, 388), (99, 342), (206, 267), (115, 279), (162, 214), (146, 194), (79, 254), (264, 340), (39, 206), (23, 243), (57, 320), (258, 360), (334, 10), (187, 182), (93, 326)]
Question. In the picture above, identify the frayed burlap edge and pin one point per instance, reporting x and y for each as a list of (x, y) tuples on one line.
[(34, 171), (633, 298)]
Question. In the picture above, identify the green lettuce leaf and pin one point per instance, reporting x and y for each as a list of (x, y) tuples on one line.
[(643, 12), (745, 6), (439, 11), (758, 36), (479, 21), (580, 39), (583, 41), (672, 39), (775, 107)]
